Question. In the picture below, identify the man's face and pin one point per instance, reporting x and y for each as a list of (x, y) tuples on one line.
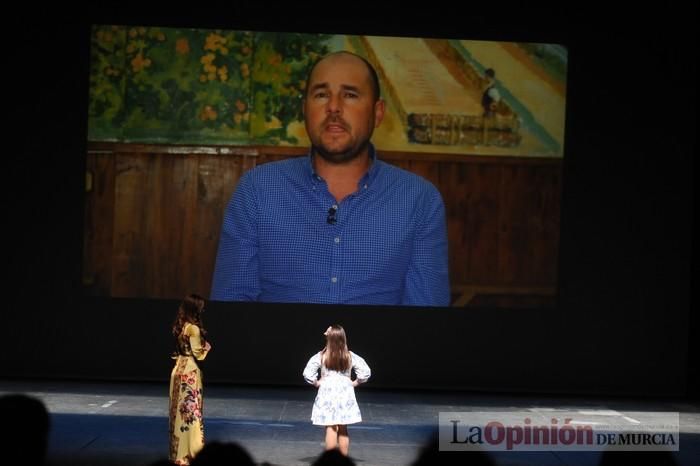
[(339, 109)]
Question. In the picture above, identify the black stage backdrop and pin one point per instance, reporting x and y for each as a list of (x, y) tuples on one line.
[(623, 321)]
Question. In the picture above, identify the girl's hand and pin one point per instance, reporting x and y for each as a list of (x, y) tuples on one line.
[(355, 383), (207, 346)]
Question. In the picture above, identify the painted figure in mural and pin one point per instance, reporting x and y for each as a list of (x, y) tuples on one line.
[(491, 97), (186, 391), (338, 225), (330, 370)]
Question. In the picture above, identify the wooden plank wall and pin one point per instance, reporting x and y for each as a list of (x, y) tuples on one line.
[(153, 214)]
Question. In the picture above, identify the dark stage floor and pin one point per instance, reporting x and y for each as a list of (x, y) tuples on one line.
[(126, 423)]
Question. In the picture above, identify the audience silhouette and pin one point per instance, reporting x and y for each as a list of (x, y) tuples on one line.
[(25, 427), (637, 458), (333, 457), (430, 454), (222, 453)]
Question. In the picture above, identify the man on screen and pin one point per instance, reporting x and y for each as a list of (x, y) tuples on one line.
[(339, 225)]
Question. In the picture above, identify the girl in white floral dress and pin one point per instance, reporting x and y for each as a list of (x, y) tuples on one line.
[(335, 406), (186, 401)]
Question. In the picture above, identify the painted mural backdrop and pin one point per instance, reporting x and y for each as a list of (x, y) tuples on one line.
[(198, 86)]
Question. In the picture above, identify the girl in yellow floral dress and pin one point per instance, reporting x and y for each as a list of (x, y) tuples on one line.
[(186, 423)]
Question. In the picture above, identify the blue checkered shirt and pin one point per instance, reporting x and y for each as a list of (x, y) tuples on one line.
[(284, 239)]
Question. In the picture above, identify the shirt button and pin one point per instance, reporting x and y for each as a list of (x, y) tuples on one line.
[(337, 240), (334, 279)]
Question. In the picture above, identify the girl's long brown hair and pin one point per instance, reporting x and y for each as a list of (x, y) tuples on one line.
[(190, 311), (335, 355)]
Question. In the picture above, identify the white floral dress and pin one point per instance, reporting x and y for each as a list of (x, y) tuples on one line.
[(335, 402)]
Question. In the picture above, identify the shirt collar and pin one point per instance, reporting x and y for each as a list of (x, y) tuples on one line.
[(368, 177)]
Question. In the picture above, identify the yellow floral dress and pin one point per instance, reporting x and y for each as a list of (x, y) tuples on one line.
[(186, 403)]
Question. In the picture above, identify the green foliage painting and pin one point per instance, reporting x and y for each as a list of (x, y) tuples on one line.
[(200, 86), (195, 86)]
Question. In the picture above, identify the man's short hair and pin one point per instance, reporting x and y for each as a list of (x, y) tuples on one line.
[(373, 76)]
